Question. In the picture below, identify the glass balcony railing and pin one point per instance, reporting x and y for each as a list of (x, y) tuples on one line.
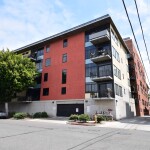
[(99, 37)]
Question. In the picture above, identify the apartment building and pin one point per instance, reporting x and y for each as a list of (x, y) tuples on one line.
[(139, 86), (82, 70)]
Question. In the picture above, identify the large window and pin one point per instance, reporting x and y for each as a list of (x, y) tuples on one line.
[(45, 91), (115, 54), (105, 90), (105, 71), (39, 65), (47, 62), (45, 77), (91, 70), (40, 52), (63, 90), (118, 90), (65, 42), (64, 76), (64, 58), (117, 72), (91, 88)]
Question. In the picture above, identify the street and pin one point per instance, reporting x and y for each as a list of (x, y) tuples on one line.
[(34, 135)]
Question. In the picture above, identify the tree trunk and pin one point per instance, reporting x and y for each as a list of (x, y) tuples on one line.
[(6, 108)]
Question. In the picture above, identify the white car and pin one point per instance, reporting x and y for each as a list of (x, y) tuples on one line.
[(3, 115)]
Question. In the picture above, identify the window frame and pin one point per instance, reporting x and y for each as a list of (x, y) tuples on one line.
[(64, 58), (45, 93), (63, 90), (49, 64), (65, 43)]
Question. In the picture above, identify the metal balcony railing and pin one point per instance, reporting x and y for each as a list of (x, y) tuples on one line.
[(100, 55)]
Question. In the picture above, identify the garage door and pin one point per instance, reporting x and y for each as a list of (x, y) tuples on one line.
[(68, 109)]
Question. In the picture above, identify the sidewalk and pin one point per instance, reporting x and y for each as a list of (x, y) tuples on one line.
[(136, 123)]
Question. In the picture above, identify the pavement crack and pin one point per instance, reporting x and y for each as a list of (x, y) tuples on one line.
[(20, 134), (93, 140)]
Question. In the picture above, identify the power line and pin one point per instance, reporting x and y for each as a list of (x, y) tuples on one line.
[(142, 30), (134, 37)]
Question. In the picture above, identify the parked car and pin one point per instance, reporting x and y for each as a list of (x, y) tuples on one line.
[(3, 115)]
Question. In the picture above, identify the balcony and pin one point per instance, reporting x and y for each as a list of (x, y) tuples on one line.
[(129, 57), (104, 98), (99, 56), (131, 67), (132, 78), (99, 37), (105, 94), (103, 75), (98, 78), (39, 58), (24, 99)]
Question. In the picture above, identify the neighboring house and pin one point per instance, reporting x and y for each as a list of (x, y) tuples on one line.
[(83, 70), (139, 86)]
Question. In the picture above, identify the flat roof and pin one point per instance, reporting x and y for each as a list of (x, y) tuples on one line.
[(83, 27)]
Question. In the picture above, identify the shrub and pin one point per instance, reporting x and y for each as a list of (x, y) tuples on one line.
[(44, 115), (84, 117), (37, 115), (103, 118), (40, 115), (100, 118), (73, 117), (20, 115)]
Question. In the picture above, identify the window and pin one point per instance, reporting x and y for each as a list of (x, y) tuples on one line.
[(64, 76), (45, 91), (105, 90), (40, 52), (39, 65), (47, 62), (91, 70), (120, 91), (63, 90), (115, 54), (45, 76), (47, 48), (112, 35), (117, 72), (65, 43), (123, 76), (116, 89), (128, 82), (124, 91), (127, 68), (91, 87), (64, 58)]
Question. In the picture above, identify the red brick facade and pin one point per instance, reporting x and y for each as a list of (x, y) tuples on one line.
[(138, 85), (75, 66)]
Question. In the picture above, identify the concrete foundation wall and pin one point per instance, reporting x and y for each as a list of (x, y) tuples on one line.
[(39, 106), (92, 106)]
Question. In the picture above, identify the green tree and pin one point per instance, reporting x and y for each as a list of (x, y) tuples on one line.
[(16, 74)]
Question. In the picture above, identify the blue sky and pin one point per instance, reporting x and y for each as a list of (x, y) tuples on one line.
[(26, 21)]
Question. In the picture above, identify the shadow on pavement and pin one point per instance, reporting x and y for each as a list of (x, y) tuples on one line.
[(145, 120)]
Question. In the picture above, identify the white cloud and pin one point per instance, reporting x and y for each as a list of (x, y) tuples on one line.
[(25, 21)]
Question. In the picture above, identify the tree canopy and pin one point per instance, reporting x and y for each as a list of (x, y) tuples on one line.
[(17, 73)]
